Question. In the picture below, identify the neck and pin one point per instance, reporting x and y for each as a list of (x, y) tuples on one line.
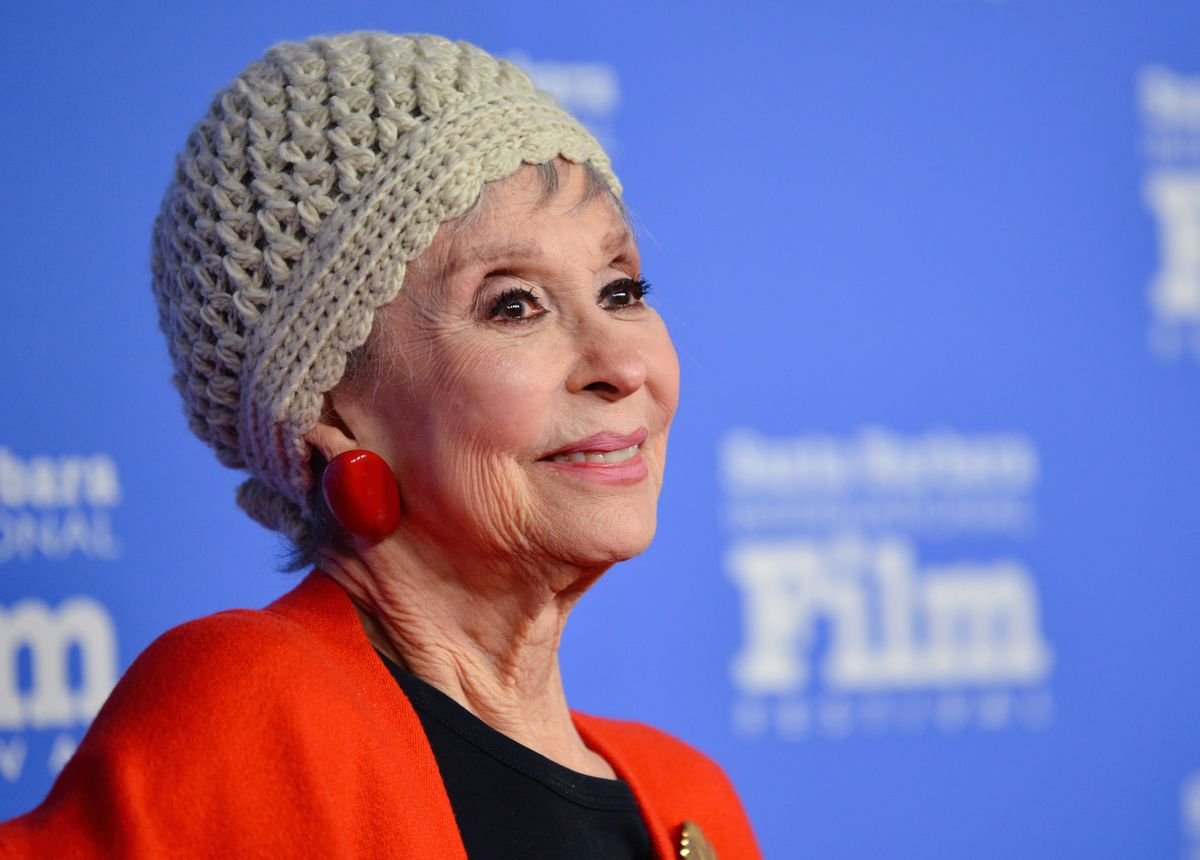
[(486, 635)]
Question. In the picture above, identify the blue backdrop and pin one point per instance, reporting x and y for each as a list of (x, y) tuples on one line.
[(928, 572)]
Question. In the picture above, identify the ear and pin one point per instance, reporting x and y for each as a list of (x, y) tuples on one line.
[(330, 436)]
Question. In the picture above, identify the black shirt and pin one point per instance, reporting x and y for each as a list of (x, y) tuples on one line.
[(510, 802)]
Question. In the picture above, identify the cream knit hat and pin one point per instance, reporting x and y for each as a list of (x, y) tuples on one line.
[(315, 177)]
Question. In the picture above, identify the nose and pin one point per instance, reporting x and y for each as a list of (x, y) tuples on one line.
[(611, 361)]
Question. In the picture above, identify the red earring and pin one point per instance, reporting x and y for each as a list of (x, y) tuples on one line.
[(362, 495)]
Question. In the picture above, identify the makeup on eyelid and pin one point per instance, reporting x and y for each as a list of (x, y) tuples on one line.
[(635, 289)]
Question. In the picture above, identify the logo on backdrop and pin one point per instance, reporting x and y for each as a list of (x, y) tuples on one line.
[(70, 670), (1170, 110), (846, 626), (590, 91), (1189, 808), (57, 507)]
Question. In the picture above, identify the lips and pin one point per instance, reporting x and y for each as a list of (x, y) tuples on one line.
[(602, 448), (608, 459), (618, 456)]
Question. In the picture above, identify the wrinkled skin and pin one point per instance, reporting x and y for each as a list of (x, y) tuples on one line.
[(508, 342), (463, 407)]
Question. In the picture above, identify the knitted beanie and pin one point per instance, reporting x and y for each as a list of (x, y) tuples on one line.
[(315, 177)]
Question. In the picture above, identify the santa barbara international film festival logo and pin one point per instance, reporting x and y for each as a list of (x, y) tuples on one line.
[(846, 627), (57, 507), (58, 661), (1170, 110), (1189, 808), (57, 666)]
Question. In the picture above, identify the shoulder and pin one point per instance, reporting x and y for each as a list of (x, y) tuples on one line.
[(652, 749), (207, 666), (230, 650), (185, 714), (256, 727), (239, 662), (201, 695), (674, 781)]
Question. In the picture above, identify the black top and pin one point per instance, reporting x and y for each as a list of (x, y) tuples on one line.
[(511, 802)]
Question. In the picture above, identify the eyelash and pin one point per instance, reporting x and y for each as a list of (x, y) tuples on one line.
[(636, 288)]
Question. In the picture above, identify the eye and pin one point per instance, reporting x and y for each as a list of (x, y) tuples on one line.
[(516, 305), (624, 293)]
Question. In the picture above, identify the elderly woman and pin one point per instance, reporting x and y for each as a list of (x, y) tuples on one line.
[(400, 291)]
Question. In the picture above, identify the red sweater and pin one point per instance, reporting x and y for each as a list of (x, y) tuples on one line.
[(280, 733)]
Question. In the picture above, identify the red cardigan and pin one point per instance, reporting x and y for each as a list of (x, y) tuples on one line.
[(280, 733)]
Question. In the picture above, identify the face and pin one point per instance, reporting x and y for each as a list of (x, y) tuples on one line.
[(525, 386)]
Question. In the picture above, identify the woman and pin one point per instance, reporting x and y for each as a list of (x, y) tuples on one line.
[(495, 434)]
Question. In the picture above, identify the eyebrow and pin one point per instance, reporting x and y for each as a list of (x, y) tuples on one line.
[(615, 240), (488, 255)]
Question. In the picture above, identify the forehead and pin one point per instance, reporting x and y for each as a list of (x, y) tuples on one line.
[(526, 216)]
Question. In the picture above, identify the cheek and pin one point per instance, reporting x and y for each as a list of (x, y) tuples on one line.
[(663, 370), (493, 402), (490, 413)]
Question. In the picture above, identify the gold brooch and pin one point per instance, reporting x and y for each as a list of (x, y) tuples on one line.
[(692, 843)]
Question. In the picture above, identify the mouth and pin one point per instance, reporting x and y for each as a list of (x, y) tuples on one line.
[(602, 448), (619, 456)]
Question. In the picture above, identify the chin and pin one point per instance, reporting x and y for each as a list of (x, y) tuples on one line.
[(606, 541)]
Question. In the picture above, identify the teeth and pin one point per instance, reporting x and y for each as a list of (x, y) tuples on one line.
[(596, 457), (619, 456)]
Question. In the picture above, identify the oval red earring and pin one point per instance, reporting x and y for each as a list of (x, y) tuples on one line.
[(361, 493)]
